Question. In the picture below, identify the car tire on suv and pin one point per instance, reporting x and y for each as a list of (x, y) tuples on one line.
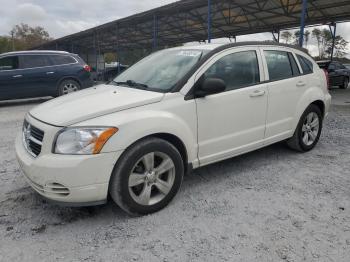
[(68, 86), (308, 130), (147, 176)]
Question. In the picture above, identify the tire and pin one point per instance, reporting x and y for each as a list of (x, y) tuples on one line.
[(68, 86), (299, 142), (345, 83), (131, 178)]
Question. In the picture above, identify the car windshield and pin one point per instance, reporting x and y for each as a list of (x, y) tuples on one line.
[(160, 71)]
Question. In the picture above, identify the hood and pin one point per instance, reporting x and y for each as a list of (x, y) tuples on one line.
[(92, 102)]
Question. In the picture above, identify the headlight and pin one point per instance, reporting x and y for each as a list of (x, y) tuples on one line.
[(83, 141)]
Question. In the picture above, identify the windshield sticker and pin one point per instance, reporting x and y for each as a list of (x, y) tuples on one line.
[(189, 53)]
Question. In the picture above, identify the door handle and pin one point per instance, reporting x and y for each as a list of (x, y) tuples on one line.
[(50, 73), (300, 84), (257, 93), (17, 76)]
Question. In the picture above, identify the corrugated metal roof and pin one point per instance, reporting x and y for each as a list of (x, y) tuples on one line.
[(186, 21)]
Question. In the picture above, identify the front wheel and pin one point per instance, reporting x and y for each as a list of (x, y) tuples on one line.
[(147, 176), (308, 130)]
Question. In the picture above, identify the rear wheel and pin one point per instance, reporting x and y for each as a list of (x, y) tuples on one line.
[(68, 86), (147, 176), (345, 83), (308, 130)]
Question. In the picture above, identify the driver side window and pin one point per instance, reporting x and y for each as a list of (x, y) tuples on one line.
[(237, 70)]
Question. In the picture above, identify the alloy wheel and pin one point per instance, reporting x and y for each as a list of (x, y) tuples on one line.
[(69, 88), (152, 178), (310, 128)]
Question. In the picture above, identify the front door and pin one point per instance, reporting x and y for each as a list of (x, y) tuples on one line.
[(232, 122)]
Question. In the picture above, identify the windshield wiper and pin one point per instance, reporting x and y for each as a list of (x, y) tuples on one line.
[(132, 83)]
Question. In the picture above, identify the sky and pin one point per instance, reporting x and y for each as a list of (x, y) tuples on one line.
[(63, 17)]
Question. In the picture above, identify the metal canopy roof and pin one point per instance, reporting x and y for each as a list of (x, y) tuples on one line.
[(187, 21)]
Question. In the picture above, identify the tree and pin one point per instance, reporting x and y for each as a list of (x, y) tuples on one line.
[(316, 33), (286, 36), (5, 44), (26, 36), (324, 41), (296, 37), (306, 37)]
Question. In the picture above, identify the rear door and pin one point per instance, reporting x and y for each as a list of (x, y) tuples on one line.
[(10, 78), (285, 87), (36, 70)]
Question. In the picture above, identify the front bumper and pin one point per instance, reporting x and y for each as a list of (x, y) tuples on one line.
[(68, 179)]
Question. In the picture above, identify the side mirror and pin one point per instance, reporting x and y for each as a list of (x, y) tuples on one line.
[(210, 86)]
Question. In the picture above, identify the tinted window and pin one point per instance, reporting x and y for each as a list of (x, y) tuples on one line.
[(294, 65), (305, 64), (278, 65), (33, 61), (331, 67), (62, 59), (236, 70), (9, 63)]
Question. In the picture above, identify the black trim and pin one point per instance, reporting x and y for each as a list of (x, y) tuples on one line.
[(73, 204), (206, 57)]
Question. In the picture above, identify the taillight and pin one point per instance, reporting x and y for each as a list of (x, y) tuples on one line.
[(327, 77), (87, 68)]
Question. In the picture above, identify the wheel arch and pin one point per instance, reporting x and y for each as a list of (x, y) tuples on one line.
[(321, 105), (175, 141)]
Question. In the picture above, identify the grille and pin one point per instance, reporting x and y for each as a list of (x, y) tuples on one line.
[(32, 139)]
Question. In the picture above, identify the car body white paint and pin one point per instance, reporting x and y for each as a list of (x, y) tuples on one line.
[(213, 128)]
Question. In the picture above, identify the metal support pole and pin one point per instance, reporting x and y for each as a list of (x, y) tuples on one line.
[(209, 21), (155, 32), (334, 34), (302, 23)]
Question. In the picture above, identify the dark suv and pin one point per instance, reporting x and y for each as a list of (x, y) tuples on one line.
[(41, 73), (339, 75)]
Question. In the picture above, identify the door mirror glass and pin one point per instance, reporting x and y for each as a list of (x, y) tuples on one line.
[(210, 86)]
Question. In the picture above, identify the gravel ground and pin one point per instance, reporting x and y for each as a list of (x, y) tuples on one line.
[(269, 205)]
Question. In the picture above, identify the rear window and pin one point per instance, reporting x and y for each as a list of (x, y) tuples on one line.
[(33, 61), (62, 59), (9, 63), (278, 65), (305, 64)]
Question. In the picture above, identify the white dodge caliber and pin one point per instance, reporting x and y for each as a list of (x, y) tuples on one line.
[(175, 110)]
